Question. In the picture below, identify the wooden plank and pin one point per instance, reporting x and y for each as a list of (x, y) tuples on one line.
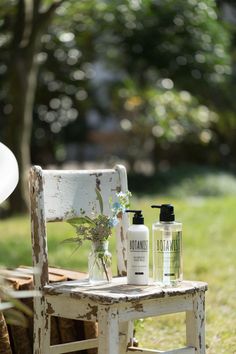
[(74, 309), (195, 324), (67, 273), (126, 333), (148, 351), (73, 346), (61, 187), (122, 227), (158, 307), (21, 337), (62, 330), (119, 291)]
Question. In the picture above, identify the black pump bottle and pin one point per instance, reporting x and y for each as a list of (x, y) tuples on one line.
[(167, 248)]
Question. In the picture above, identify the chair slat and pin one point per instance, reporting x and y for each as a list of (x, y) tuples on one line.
[(185, 350), (69, 193), (74, 346)]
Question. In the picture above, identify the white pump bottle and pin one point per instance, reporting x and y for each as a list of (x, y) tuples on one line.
[(137, 251)]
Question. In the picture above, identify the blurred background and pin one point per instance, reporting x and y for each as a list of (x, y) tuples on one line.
[(148, 83)]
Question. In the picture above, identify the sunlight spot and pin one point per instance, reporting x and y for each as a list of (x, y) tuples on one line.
[(66, 37)]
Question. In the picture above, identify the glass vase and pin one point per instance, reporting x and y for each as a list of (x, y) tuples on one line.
[(99, 263)]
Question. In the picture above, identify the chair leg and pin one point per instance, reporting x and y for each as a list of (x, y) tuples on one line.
[(108, 331), (195, 324), (126, 332), (42, 330)]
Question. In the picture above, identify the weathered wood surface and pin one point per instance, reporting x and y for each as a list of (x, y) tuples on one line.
[(66, 193), (117, 302), (59, 195), (19, 340), (185, 350), (195, 324), (118, 290)]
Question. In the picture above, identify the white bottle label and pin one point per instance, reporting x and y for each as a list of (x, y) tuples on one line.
[(138, 257)]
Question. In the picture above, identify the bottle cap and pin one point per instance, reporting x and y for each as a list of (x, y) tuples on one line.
[(166, 213), (138, 218)]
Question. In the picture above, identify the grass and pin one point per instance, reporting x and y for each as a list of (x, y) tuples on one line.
[(209, 237)]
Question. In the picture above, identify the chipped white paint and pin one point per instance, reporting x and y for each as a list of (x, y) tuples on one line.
[(58, 195), (122, 227), (74, 346), (69, 192), (40, 260), (119, 302), (126, 335), (108, 330), (133, 350), (195, 324)]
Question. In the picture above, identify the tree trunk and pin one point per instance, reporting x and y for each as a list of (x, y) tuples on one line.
[(30, 24), (22, 92)]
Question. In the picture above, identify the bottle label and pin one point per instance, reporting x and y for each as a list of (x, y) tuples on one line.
[(168, 258), (138, 251), (168, 245), (138, 245)]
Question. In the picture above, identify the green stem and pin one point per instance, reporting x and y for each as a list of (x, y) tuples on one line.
[(105, 269)]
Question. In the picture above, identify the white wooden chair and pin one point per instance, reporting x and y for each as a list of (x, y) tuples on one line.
[(58, 195)]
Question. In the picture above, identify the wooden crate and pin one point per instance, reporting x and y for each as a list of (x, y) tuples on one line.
[(19, 340)]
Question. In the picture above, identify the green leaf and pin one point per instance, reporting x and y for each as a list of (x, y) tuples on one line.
[(15, 317), (77, 240), (20, 306), (80, 220), (99, 197)]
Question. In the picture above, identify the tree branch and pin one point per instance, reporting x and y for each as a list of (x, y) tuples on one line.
[(28, 26), (19, 24), (45, 16), (37, 4), (51, 9)]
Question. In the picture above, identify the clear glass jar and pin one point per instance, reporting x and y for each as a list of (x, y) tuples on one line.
[(99, 263)]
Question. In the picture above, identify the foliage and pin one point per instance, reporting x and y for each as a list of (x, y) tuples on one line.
[(176, 39), (162, 116), (162, 70), (155, 45), (99, 227), (112, 53)]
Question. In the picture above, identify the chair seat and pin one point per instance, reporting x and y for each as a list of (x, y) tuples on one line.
[(118, 291)]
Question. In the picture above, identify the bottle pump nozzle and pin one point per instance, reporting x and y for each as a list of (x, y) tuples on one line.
[(138, 218), (167, 212)]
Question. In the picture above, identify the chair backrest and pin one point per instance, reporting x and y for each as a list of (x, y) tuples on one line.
[(57, 195)]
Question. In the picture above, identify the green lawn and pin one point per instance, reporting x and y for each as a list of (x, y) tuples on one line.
[(209, 238)]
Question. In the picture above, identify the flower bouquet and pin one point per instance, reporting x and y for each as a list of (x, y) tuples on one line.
[(98, 230)]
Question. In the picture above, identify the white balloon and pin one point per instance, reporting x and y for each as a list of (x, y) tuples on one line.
[(9, 173)]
